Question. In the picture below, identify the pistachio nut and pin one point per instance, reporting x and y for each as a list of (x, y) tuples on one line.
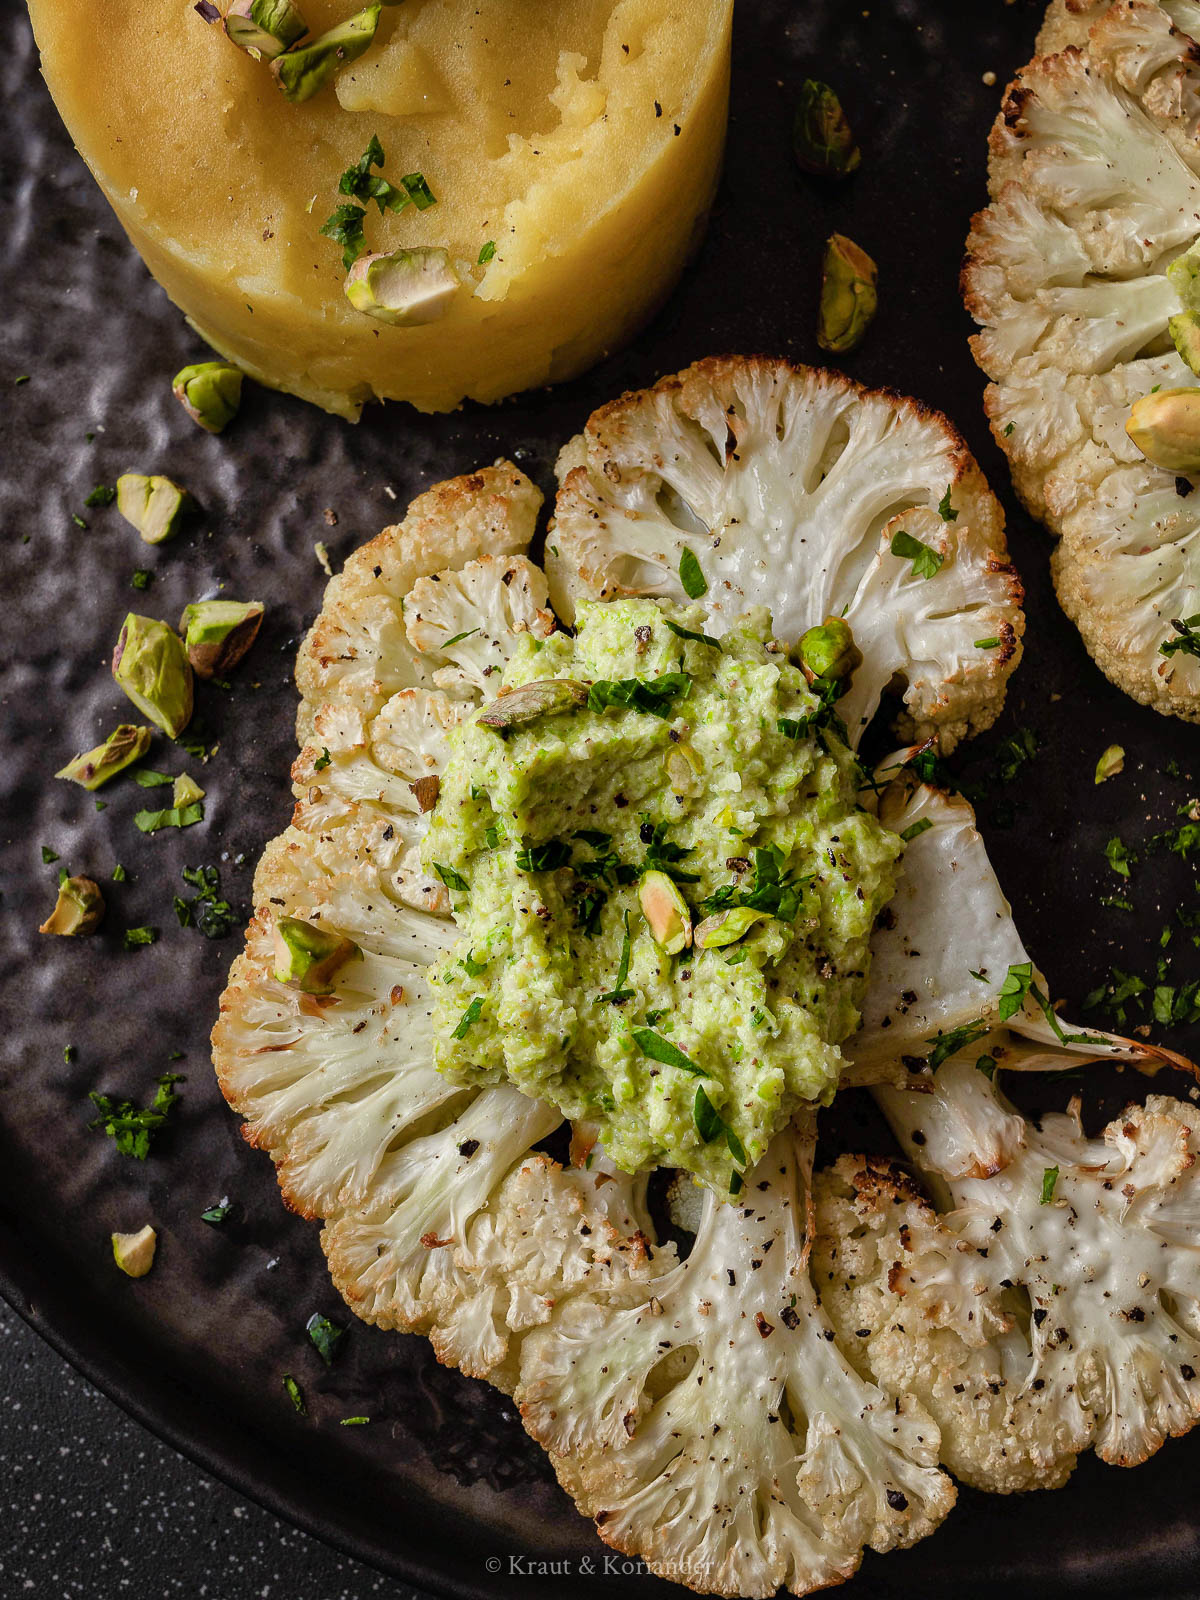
[(185, 791), (210, 392), (544, 698), (1110, 763), (134, 1252), (78, 909), (828, 652), (151, 666), (308, 957), (404, 289), (1185, 331), (666, 912), (1184, 277), (218, 633), (265, 28), (848, 295), (303, 72), (683, 768), (821, 136), (153, 505), (1166, 428), (124, 745), (727, 927)]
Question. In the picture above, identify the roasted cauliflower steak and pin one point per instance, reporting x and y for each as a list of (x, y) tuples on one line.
[(1094, 176), (714, 1409)]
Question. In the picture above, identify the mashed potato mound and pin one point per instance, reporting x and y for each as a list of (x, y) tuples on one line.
[(582, 140)]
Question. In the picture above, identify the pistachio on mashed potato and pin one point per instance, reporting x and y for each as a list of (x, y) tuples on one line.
[(603, 850)]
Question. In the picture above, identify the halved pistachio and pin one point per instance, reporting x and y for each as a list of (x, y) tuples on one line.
[(848, 295), (186, 791), (153, 505), (303, 72), (727, 927), (152, 667), (683, 769), (134, 1252), (265, 28), (217, 633), (827, 652), (1184, 277), (210, 392), (78, 909), (125, 744), (666, 912), (1166, 428), (1185, 332), (1110, 763), (308, 957), (405, 289), (821, 136), (544, 698)]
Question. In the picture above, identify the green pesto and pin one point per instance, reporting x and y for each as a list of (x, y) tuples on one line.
[(551, 822)]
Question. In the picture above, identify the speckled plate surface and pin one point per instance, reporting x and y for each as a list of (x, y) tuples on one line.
[(443, 1480)]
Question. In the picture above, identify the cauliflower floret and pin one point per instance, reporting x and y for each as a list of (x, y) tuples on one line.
[(906, 1316), (1098, 1236), (714, 1428), (474, 617), (782, 486), (358, 648), (1095, 179)]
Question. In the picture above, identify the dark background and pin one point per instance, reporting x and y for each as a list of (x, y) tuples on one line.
[(443, 1476)]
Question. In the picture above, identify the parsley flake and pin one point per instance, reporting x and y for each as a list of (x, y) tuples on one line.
[(1049, 1181), (659, 1049), (691, 576), (926, 562), (325, 1335), (945, 510), (469, 1018), (131, 1127)]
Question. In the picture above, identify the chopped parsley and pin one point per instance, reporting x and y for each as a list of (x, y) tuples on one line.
[(487, 252), (1114, 902), (452, 880), (1018, 984), (206, 911), (662, 855), (987, 644), (1008, 429), (469, 1018), (119, 874), (152, 780), (1187, 637), (1049, 1182), (325, 1335), (589, 903), (688, 633), (945, 510), (353, 1422), (545, 857), (140, 578), (926, 562), (619, 993), (458, 638), (691, 576), (170, 817), (134, 937), (1119, 858), (216, 1213), (659, 1049), (48, 855), (295, 1394), (131, 1127), (473, 968), (945, 1045), (772, 890), (101, 495), (710, 1125), (345, 227), (1122, 990), (916, 828), (652, 695), (322, 760)]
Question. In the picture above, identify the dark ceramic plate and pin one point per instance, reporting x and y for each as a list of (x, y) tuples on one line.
[(443, 1486)]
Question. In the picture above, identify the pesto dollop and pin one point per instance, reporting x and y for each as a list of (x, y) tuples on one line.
[(664, 886)]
